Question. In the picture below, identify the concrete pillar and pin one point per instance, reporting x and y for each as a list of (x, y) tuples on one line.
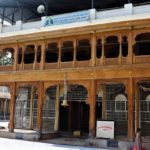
[(128, 9), (18, 25), (92, 14)]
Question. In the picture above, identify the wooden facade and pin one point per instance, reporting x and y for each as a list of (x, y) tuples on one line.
[(99, 61)]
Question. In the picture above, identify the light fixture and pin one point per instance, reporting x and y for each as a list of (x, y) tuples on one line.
[(41, 9), (65, 103)]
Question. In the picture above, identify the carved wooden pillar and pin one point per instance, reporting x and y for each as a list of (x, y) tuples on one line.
[(137, 106), (43, 49), (102, 59), (40, 104), (93, 50), (130, 89), (23, 52), (120, 50), (92, 103), (56, 125), (74, 52), (12, 106), (35, 56), (15, 57), (104, 115), (130, 47)]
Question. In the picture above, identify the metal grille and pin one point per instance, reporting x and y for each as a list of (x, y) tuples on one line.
[(117, 110), (145, 108), (49, 110), (76, 93), (24, 117)]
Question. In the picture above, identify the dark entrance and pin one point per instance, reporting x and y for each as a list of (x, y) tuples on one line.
[(75, 117)]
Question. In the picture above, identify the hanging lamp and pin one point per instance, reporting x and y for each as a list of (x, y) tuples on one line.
[(65, 102)]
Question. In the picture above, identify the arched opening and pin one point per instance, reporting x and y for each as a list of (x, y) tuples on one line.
[(74, 117), (67, 51), (20, 55), (6, 57), (48, 110), (5, 97), (124, 45), (142, 44), (83, 50), (29, 54), (117, 107), (38, 58), (99, 48), (26, 107), (52, 52), (144, 107), (111, 47)]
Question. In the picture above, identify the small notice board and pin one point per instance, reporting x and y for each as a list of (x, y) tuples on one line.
[(105, 129)]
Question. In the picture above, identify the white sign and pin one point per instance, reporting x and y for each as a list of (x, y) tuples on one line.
[(67, 18), (105, 129)]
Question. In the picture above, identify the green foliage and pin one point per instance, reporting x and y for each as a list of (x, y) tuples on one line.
[(5, 59)]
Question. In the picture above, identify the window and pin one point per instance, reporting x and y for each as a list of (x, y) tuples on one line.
[(29, 54), (99, 48), (67, 51), (83, 50), (111, 47), (52, 53), (142, 44)]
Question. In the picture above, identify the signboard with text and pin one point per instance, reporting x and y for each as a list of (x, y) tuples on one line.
[(67, 18), (105, 129)]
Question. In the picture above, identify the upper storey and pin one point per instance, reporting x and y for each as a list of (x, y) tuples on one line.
[(116, 37)]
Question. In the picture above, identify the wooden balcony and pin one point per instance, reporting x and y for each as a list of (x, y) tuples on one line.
[(6, 68), (141, 59), (51, 65)]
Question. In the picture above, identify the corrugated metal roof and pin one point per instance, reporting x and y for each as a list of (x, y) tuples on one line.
[(26, 10)]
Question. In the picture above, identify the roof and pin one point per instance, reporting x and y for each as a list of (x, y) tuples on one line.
[(26, 10)]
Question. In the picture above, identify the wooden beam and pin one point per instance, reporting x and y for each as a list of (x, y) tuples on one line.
[(40, 105), (56, 124), (93, 50), (92, 103), (12, 106), (130, 88), (137, 106)]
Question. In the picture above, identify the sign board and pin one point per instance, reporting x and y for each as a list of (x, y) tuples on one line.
[(67, 18), (105, 129)]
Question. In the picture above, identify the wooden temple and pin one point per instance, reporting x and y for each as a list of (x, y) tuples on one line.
[(102, 69)]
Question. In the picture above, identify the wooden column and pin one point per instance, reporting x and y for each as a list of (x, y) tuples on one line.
[(12, 107), (120, 50), (104, 102), (56, 125), (23, 51), (40, 104), (130, 108), (93, 50), (92, 103), (102, 59), (74, 52), (130, 47), (43, 49), (31, 106), (35, 56), (15, 57), (137, 106)]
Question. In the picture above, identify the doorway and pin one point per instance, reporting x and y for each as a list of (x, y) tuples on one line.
[(74, 117)]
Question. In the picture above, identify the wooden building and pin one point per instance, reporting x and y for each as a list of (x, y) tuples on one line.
[(101, 68)]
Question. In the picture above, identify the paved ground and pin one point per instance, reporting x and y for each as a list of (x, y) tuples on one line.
[(13, 144)]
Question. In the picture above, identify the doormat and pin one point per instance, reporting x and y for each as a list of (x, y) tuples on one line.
[(112, 143)]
